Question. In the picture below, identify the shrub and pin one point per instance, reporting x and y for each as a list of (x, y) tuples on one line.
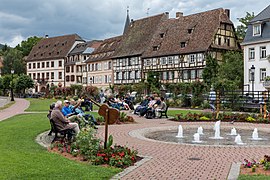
[(250, 119), (204, 118)]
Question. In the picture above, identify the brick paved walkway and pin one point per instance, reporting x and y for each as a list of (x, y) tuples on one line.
[(17, 108), (171, 161)]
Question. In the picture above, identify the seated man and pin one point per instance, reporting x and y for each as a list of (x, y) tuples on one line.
[(67, 112), (161, 107), (61, 122), (144, 103), (79, 111)]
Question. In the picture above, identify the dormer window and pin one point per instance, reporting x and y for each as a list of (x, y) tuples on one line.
[(155, 48), (183, 44), (161, 35), (190, 31), (256, 29)]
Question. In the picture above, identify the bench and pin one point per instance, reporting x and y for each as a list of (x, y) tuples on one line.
[(163, 113), (66, 134), (255, 106)]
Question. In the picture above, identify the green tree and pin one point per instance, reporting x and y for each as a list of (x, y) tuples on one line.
[(23, 82), (242, 28), (26, 46), (153, 81), (13, 59), (210, 71), (231, 72)]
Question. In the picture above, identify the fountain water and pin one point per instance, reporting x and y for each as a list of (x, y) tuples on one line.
[(238, 140), (217, 131), (255, 135), (180, 132), (200, 130), (196, 138), (233, 132)]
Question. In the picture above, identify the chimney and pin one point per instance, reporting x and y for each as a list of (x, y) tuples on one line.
[(167, 15), (227, 11), (178, 15), (46, 36)]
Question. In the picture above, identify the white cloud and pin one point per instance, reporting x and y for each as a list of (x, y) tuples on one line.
[(15, 40)]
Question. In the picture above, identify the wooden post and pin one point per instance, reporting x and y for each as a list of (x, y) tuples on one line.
[(106, 128), (264, 105)]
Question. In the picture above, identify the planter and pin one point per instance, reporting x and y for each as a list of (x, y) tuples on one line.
[(266, 84)]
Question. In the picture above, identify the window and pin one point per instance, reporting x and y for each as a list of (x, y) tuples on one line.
[(47, 64), (67, 78), (161, 35), (228, 42), (60, 63), (43, 75), (29, 66), (52, 75), (34, 75), (72, 68), (148, 62), (199, 73), (251, 52), (190, 31), (43, 64), (117, 76), (48, 75), (183, 44), (219, 41), (38, 65), (155, 48), (52, 64), (193, 74), (257, 30), (263, 52), (34, 65), (262, 74), (200, 57), (170, 60), (110, 65), (192, 58), (72, 78), (60, 75), (67, 69), (163, 60), (29, 75)]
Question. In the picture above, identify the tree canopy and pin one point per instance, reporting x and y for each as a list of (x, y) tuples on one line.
[(13, 59), (242, 28), (26, 46)]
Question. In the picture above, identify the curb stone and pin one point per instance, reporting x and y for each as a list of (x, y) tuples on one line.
[(234, 171)]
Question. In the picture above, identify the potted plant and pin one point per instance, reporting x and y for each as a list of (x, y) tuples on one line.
[(266, 82)]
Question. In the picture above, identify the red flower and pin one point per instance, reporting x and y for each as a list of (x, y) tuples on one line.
[(121, 154), (106, 159)]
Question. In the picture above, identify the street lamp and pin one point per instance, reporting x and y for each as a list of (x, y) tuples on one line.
[(252, 72), (11, 89)]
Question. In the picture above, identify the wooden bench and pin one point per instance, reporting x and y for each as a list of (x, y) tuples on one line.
[(66, 134), (163, 113), (255, 106)]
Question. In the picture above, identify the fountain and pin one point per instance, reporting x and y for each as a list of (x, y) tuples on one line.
[(217, 131), (255, 135), (238, 140), (196, 138), (200, 130), (233, 132), (180, 132)]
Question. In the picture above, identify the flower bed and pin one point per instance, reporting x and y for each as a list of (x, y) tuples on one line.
[(227, 117), (254, 168), (89, 148)]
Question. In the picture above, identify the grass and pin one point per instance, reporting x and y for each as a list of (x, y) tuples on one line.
[(22, 158), (253, 177), (42, 105), (7, 105), (184, 112)]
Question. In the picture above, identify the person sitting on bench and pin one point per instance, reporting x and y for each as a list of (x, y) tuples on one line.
[(160, 107), (61, 122)]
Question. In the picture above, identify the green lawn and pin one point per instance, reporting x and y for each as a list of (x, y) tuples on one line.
[(39, 105), (254, 177), (22, 158), (184, 112)]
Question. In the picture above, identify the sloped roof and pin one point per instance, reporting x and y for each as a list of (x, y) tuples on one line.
[(105, 50), (53, 48), (265, 14), (264, 18), (138, 36), (196, 31), (82, 47)]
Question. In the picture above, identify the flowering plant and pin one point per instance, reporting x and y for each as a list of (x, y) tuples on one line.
[(249, 164)]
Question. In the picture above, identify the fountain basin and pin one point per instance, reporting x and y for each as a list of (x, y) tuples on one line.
[(168, 136)]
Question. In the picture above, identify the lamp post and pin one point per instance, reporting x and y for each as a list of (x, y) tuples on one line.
[(11, 89), (252, 71)]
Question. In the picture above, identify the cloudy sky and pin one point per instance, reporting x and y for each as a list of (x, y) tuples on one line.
[(98, 19)]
